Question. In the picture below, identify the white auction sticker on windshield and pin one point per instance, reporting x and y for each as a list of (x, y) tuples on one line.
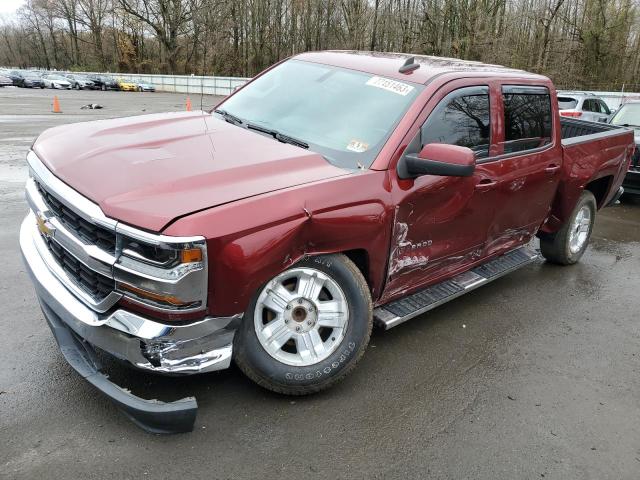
[(390, 85), (357, 146)]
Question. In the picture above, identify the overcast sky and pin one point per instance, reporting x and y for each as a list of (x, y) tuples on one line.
[(9, 6)]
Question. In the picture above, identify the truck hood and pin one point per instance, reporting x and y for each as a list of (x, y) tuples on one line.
[(150, 169)]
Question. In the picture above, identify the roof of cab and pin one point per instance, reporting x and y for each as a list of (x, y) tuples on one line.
[(388, 64)]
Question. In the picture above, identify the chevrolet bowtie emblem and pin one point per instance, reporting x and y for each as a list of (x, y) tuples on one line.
[(46, 229)]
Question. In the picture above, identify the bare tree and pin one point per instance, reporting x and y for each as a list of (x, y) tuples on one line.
[(579, 43)]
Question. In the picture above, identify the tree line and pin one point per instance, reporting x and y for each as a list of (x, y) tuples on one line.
[(578, 43)]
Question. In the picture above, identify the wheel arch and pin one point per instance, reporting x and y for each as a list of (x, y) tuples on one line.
[(360, 257), (600, 188)]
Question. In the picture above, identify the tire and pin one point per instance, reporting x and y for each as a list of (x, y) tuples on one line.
[(77, 86), (567, 245), (293, 370)]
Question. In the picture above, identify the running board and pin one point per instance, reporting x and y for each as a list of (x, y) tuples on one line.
[(399, 311)]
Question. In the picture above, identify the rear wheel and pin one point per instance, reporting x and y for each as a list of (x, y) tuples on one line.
[(307, 327), (567, 245)]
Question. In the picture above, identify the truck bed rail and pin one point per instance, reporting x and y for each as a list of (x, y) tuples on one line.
[(578, 131)]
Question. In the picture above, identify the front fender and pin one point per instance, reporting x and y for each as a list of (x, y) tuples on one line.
[(252, 240)]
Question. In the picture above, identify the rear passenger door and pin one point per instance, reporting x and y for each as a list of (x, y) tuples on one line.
[(591, 111), (531, 162)]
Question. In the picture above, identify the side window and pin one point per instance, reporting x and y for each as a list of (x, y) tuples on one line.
[(604, 108), (587, 106), (527, 118), (461, 118)]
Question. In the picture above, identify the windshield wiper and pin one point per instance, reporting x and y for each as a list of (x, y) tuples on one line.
[(629, 125), (229, 117), (281, 137)]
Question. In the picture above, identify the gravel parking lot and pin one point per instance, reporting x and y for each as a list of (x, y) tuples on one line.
[(533, 376)]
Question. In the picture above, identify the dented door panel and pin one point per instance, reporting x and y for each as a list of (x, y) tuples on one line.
[(439, 227)]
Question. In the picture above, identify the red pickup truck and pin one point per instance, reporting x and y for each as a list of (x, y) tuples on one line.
[(334, 190)]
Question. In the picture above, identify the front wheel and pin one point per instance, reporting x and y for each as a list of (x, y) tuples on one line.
[(567, 245), (307, 327)]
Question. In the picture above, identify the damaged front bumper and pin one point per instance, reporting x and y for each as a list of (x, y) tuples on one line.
[(202, 346)]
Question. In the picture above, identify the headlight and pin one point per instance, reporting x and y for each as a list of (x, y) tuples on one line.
[(163, 272)]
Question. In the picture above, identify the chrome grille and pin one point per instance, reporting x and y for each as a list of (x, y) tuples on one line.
[(93, 283), (85, 230)]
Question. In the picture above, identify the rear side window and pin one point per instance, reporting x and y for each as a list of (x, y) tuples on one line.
[(603, 107), (567, 103), (590, 106), (461, 118), (527, 118)]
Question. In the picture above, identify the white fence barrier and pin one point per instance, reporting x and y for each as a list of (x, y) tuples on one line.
[(191, 84), (188, 83)]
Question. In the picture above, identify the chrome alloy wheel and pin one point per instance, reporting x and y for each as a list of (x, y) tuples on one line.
[(301, 317), (579, 231)]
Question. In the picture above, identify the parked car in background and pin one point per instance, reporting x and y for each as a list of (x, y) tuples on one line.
[(5, 81), (386, 185), (80, 82), (585, 106), (145, 86), (104, 82), (56, 81), (126, 85), (628, 115), (15, 76), (29, 80)]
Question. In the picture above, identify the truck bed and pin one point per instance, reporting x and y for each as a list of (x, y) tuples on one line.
[(578, 131), (591, 151)]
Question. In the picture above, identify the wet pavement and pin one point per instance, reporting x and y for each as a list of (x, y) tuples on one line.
[(533, 376)]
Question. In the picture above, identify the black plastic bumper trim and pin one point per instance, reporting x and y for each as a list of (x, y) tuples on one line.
[(153, 416), (631, 182)]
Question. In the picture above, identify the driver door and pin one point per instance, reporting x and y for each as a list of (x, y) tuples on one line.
[(441, 223)]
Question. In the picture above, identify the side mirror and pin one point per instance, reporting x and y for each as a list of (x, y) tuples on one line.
[(438, 159)]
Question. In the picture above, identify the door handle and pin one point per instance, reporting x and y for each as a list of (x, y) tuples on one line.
[(486, 184), (553, 168)]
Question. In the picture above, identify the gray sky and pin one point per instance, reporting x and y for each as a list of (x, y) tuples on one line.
[(9, 6)]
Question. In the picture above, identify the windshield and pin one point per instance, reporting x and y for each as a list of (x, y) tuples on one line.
[(628, 114), (344, 115), (567, 103), (56, 77)]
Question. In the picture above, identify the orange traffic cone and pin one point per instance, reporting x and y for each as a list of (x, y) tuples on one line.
[(188, 104), (56, 105)]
